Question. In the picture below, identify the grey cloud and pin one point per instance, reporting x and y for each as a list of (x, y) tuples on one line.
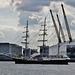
[(32, 5), (35, 6), (24, 16), (70, 2), (12, 1)]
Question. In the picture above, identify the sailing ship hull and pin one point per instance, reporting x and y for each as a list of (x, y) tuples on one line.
[(6, 59), (59, 62)]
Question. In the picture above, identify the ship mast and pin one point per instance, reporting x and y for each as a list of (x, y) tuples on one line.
[(26, 44), (44, 34), (26, 38)]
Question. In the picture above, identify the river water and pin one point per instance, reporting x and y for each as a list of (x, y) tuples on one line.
[(10, 68)]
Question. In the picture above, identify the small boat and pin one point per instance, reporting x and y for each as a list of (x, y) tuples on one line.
[(5, 57), (71, 60)]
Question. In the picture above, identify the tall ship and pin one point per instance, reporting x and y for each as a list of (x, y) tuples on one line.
[(44, 56)]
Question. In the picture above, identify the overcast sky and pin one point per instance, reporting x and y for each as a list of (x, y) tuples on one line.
[(15, 13)]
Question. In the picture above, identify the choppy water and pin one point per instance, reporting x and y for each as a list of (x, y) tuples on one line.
[(10, 68)]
